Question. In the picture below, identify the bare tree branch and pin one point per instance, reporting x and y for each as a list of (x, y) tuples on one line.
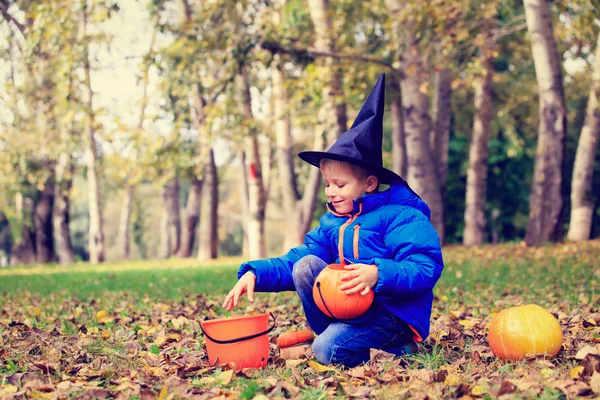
[(9, 18), (502, 32), (311, 54)]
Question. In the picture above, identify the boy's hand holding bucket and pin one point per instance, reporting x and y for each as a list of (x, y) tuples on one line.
[(245, 284), (360, 278)]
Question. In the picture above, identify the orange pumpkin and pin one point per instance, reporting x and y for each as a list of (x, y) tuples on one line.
[(292, 345), (522, 331), (293, 338), (332, 301)]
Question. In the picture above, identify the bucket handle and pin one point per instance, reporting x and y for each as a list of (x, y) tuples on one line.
[(323, 300), (241, 338)]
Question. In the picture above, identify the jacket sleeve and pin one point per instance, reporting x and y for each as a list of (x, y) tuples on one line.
[(275, 274), (417, 261)]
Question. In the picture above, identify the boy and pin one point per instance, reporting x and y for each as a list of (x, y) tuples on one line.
[(385, 238)]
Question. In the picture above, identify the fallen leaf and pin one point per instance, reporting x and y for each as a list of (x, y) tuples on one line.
[(595, 383), (8, 389), (547, 372), (179, 322), (102, 317), (506, 387), (269, 381), (575, 373), (585, 350), (319, 367), (478, 390), (294, 363), (452, 380), (468, 323), (225, 377)]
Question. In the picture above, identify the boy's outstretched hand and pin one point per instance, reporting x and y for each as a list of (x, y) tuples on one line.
[(361, 278), (245, 284)]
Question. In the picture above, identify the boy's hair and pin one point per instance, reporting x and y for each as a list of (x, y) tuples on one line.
[(358, 171)]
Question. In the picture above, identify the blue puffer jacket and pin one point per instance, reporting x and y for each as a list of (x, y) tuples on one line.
[(389, 229)]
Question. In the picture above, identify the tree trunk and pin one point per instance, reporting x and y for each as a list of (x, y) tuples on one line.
[(256, 193), (478, 158), (285, 161), (398, 134), (442, 113), (96, 231), (23, 251), (62, 208), (123, 237), (245, 202), (192, 215), (545, 200), (124, 233), (208, 243), (172, 240), (208, 239), (335, 113), (42, 222), (421, 172), (164, 244), (582, 200)]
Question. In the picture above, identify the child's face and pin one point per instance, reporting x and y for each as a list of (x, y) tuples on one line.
[(342, 186)]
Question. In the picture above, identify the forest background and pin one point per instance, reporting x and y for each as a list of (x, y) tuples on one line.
[(151, 129)]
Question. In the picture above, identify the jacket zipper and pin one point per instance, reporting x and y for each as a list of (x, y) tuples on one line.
[(355, 240), (341, 235)]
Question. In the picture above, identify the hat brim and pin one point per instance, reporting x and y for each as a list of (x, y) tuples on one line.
[(384, 175)]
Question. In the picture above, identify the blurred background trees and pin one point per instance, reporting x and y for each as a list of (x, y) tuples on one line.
[(160, 128)]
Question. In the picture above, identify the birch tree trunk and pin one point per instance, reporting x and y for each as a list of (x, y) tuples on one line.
[(398, 134), (192, 215), (245, 202), (208, 238), (336, 114), (164, 244), (124, 233), (421, 171), (62, 205), (96, 231), (256, 194), (123, 236), (442, 113), (208, 243), (582, 203), (478, 158), (65, 169), (287, 179), (545, 200), (299, 211), (23, 251), (173, 222)]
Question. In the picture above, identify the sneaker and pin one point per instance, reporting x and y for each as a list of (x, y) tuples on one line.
[(405, 349)]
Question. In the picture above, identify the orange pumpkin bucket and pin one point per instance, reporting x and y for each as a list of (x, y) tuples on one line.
[(333, 301), (240, 341)]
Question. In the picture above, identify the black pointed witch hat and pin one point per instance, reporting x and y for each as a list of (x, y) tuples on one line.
[(362, 144)]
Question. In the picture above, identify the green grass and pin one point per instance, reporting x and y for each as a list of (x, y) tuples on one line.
[(138, 279)]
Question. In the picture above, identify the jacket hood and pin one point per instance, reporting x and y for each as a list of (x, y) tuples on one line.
[(398, 193)]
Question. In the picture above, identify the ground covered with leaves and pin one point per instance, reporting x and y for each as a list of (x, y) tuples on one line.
[(132, 331)]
